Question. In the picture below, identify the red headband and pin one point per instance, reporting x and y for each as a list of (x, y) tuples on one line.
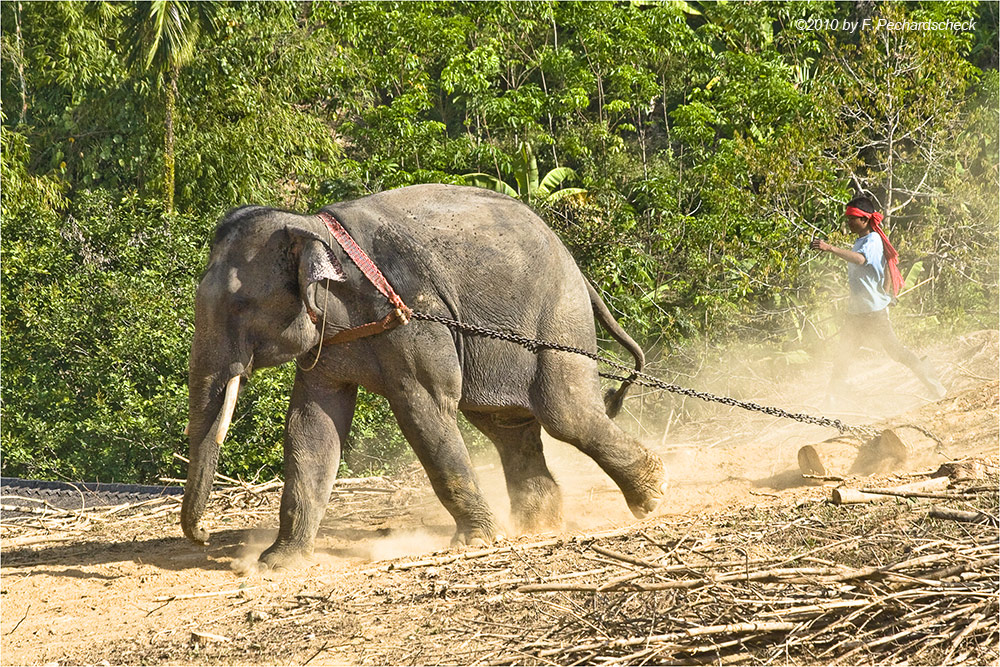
[(874, 218)]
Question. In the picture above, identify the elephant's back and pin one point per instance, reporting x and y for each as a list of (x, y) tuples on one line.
[(482, 249), (438, 214)]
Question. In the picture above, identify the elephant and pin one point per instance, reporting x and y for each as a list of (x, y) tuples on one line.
[(276, 285)]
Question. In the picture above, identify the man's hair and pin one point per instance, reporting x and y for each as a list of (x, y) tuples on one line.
[(864, 203)]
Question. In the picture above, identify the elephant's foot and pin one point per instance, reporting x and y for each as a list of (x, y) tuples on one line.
[(536, 507), (646, 490), (285, 556), (478, 536)]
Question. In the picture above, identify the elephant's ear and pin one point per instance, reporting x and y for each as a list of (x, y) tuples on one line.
[(317, 262)]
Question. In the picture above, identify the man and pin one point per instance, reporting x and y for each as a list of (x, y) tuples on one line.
[(872, 273)]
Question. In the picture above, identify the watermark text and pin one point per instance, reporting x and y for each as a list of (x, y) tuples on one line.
[(847, 25)]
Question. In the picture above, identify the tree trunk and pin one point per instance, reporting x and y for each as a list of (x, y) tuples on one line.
[(20, 66), (168, 142)]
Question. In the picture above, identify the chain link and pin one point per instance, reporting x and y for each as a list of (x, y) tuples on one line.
[(921, 429), (645, 380)]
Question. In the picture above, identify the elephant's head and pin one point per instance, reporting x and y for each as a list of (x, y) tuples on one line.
[(266, 274)]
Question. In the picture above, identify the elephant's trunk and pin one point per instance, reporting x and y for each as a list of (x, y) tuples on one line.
[(209, 419)]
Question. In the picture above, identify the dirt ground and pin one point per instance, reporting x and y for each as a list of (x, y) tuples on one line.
[(386, 588)]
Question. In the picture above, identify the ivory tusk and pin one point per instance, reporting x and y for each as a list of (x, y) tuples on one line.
[(228, 407)]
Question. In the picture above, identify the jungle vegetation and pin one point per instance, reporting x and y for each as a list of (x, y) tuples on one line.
[(686, 152)]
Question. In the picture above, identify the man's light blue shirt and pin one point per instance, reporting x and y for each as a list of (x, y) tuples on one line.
[(866, 280)]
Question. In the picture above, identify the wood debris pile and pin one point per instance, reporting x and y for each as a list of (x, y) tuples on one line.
[(938, 606), (30, 520), (817, 584), (36, 521), (907, 576), (830, 588)]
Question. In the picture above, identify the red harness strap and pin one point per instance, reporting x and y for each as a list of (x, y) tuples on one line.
[(401, 313)]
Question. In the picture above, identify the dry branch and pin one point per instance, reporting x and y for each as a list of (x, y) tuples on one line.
[(194, 596), (39, 539), (844, 496), (959, 515), (625, 558)]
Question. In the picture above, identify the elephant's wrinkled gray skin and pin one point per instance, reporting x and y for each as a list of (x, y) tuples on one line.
[(464, 253)]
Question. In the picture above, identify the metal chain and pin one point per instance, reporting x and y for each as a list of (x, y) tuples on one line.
[(645, 380), (921, 429), (376, 278)]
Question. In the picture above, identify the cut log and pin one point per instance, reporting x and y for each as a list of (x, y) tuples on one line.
[(810, 463), (844, 496), (950, 514)]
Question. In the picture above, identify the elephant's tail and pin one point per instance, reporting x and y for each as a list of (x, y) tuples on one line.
[(615, 397)]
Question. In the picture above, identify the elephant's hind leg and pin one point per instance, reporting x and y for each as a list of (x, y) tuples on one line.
[(567, 402), (535, 499)]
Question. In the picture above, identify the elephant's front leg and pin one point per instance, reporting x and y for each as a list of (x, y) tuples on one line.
[(319, 417), (429, 421)]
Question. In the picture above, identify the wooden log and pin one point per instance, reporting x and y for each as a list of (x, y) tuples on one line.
[(950, 514), (810, 463), (883, 453), (844, 496)]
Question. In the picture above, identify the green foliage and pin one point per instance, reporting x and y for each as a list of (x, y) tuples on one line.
[(706, 144), (96, 316), (164, 33), (375, 445), (530, 188)]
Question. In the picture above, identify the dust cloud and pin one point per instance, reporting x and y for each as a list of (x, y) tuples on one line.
[(396, 544), (406, 543), (716, 456), (245, 560)]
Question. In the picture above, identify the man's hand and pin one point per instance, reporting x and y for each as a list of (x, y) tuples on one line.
[(846, 255)]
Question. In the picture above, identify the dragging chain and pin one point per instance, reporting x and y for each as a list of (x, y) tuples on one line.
[(645, 380), (403, 314)]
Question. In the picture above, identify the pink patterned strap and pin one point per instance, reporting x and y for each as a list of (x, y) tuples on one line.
[(402, 312), (361, 260)]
